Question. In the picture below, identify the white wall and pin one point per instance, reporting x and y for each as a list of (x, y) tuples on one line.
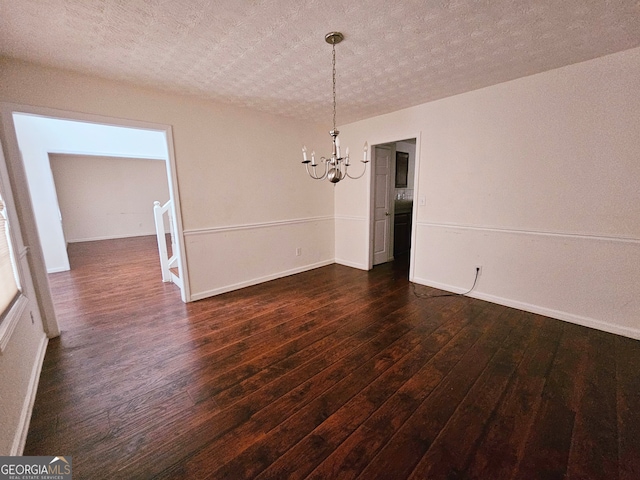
[(238, 171), (39, 136), (108, 197), (534, 179)]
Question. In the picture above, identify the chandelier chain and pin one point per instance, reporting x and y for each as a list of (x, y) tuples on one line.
[(336, 166), (334, 86)]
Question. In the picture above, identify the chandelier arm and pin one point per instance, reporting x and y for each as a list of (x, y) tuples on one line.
[(359, 176), (314, 175)]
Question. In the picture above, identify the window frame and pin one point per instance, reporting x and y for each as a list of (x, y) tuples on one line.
[(11, 316)]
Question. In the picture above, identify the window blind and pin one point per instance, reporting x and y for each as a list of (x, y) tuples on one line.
[(8, 285)]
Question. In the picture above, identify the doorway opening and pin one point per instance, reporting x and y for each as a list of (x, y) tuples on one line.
[(67, 160), (392, 195)]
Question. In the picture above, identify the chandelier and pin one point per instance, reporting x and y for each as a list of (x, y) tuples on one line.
[(336, 167)]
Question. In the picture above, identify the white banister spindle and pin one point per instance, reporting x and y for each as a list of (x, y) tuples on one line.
[(172, 232), (158, 211)]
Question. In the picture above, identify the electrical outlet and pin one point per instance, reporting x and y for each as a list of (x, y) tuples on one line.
[(479, 269), (422, 200), (298, 251)]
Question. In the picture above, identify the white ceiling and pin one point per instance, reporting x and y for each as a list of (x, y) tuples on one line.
[(271, 54)]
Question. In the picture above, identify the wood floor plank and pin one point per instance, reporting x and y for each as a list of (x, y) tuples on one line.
[(273, 322), (450, 451), (501, 447), (353, 454), (413, 439), (594, 445), (287, 380), (547, 449), (302, 458), (294, 352), (546, 452), (172, 367), (273, 403), (358, 451), (628, 407), (293, 428)]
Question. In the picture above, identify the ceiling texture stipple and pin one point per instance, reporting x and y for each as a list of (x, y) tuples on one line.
[(271, 55)]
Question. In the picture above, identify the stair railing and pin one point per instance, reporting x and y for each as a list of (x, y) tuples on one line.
[(166, 262)]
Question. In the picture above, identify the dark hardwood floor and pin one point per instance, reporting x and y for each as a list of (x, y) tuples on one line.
[(332, 373)]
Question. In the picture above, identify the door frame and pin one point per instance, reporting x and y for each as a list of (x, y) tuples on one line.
[(394, 138), (27, 298), (18, 179)]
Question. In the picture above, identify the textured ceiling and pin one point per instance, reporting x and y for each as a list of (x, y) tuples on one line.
[(271, 55)]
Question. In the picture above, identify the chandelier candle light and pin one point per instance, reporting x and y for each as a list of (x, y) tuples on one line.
[(336, 167)]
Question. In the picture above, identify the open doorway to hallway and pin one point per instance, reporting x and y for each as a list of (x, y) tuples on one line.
[(86, 178), (393, 179)]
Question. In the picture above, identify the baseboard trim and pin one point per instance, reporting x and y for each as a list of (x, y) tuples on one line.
[(20, 438), (256, 281), (111, 237), (57, 270), (547, 312), (348, 263)]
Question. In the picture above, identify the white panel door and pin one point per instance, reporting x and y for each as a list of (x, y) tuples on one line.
[(382, 217)]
